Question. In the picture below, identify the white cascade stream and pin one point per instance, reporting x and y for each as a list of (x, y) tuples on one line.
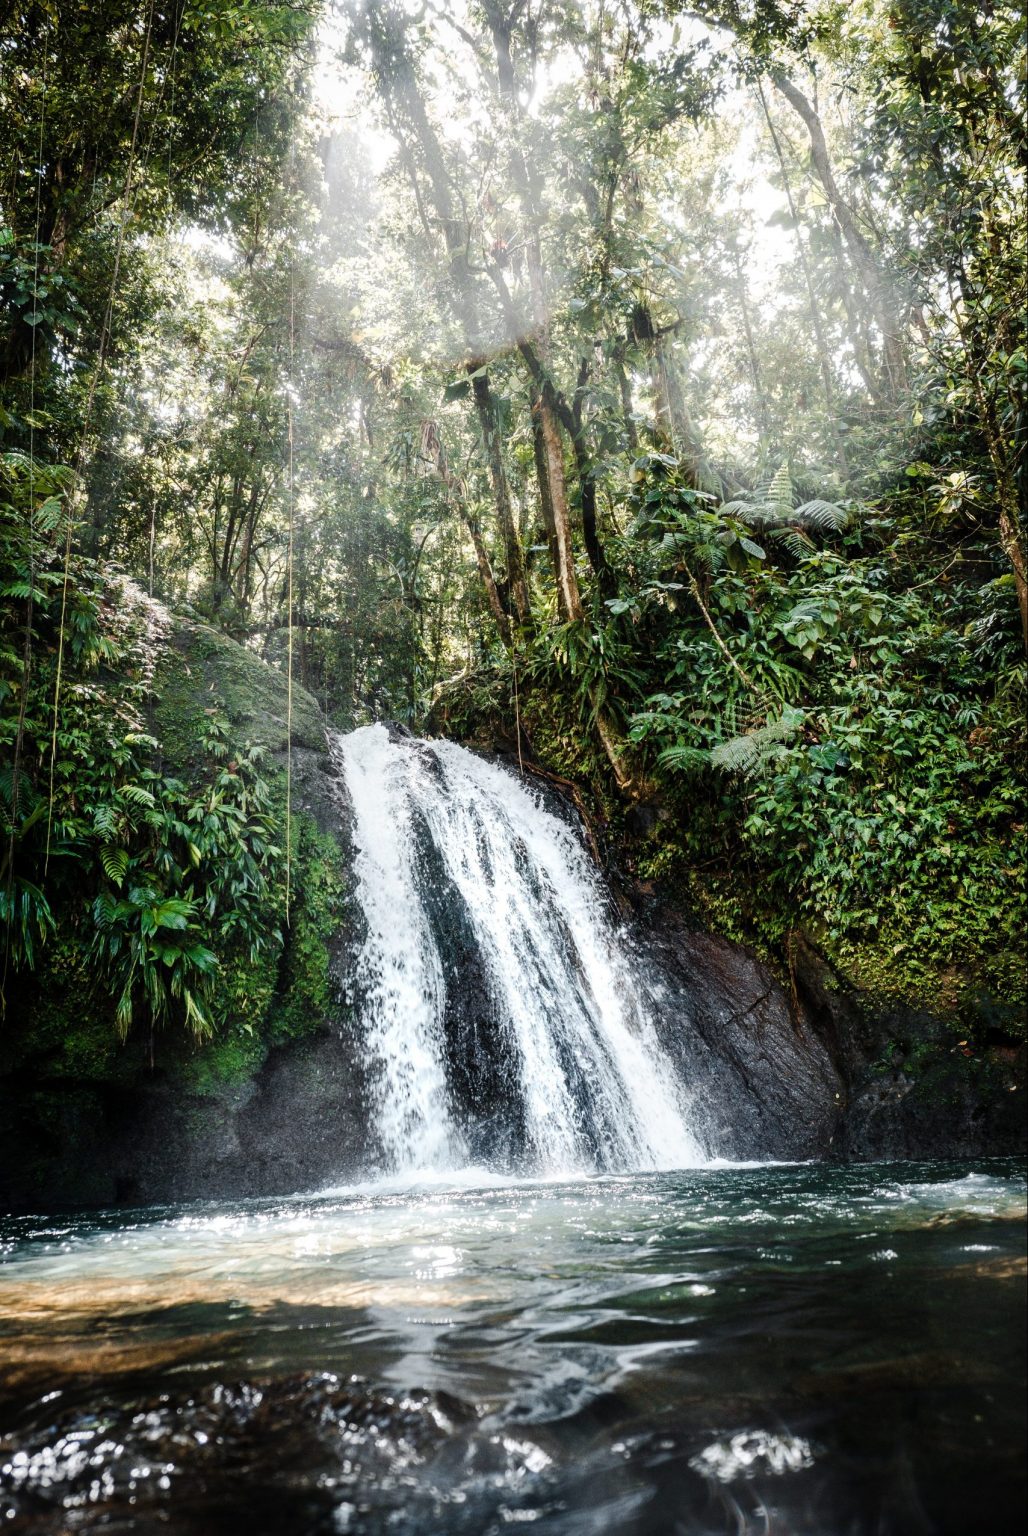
[(572, 1015)]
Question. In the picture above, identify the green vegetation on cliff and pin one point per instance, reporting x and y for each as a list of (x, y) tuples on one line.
[(152, 899)]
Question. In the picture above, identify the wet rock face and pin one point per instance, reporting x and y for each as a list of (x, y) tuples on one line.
[(763, 1078), (943, 1111), (300, 1123), (818, 1071), (481, 1059)]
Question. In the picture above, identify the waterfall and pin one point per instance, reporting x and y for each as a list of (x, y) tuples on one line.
[(503, 1015)]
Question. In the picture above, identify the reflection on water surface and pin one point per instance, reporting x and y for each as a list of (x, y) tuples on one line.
[(773, 1349)]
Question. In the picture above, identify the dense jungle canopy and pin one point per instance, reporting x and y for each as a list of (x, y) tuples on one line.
[(639, 385)]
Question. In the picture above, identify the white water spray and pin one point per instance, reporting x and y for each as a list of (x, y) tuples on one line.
[(595, 1088)]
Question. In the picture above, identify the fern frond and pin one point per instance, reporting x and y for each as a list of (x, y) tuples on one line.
[(686, 759), (794, 539), (757, 515), (826, 516), (748, 753), (115, 862), (123, 1007), (779, 492), (105, 821), (104, 910), (14, 789), (135, 794), (48, 516)]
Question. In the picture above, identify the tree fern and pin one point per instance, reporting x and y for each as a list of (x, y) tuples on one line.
[(771, 509), (749, 753), (825, 516), (794, 540), (779, 491)]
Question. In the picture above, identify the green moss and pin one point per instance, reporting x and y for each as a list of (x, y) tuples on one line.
[(268, 1004), (888, 965), (307, 992), (231, 1059), (202, 673)]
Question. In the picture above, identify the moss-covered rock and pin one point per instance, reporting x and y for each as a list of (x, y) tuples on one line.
[(200, 673), (74, 1093)]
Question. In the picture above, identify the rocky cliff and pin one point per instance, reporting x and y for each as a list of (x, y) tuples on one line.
[(793, 1068)]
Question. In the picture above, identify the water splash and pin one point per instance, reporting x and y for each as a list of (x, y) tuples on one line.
[(562, 1011), (398, 973)]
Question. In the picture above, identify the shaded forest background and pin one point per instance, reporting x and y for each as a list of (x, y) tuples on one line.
[(637, 385)]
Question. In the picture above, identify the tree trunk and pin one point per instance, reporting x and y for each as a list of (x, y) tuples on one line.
[(625, 391), (432, 453), (673, 425), (674, 422), (893, 349), (759, 395), (485, 571), (485, 403), (587, 488), (1014, 552), (816, 322), (399, 87), (545, 504), (552, 462)]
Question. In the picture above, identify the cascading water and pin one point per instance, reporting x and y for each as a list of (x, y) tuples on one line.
[(471, 889)]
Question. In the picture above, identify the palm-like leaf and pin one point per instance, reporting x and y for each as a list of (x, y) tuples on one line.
[(684, 758), (825, 516)]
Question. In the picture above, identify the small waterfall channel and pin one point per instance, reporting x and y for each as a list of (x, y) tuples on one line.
[(503, 1015)]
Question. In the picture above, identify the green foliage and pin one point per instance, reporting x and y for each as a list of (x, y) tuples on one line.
[(24, 909), (592, 663), (307, 993), (148, 945), (771, 512), (792, 456), (756, 750), (167, 874), (209, 861), (883, 804)]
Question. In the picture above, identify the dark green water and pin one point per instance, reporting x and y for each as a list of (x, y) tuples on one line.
[(833, 1351)]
